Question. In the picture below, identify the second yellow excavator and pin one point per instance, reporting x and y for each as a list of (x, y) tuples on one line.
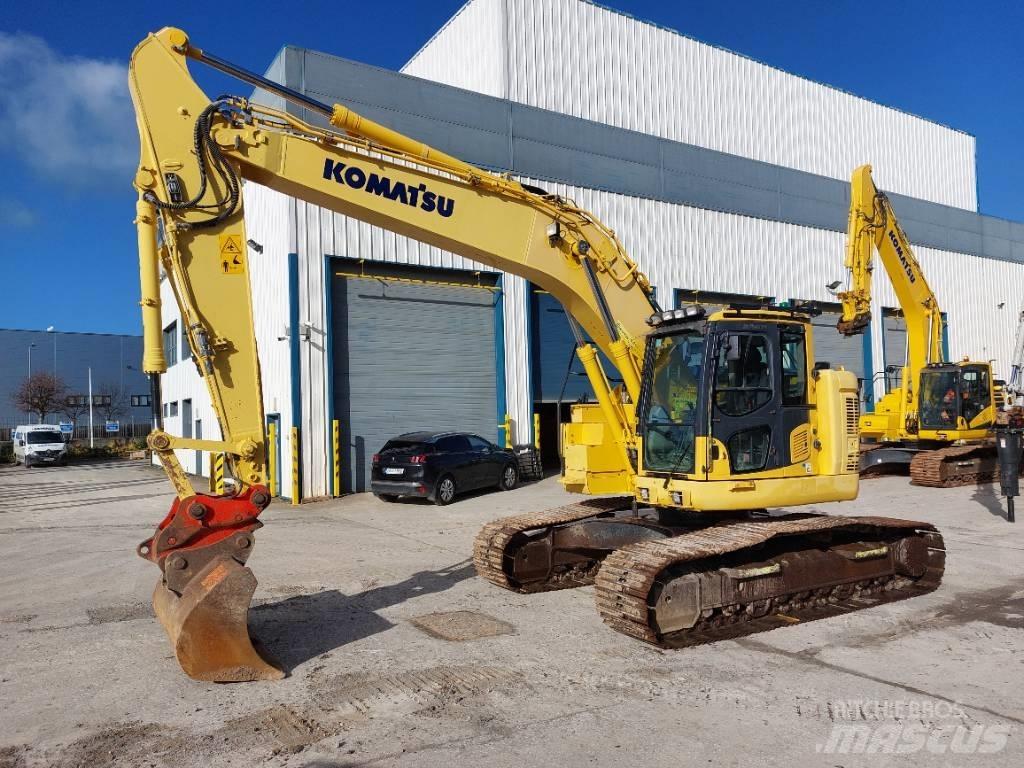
[(717, 418), (939, 421)]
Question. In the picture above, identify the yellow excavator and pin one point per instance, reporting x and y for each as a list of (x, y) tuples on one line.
[(940, 420), (717, 417)]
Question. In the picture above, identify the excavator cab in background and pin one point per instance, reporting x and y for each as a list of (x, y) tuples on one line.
[(957, 396), (939, 421), (716, 418)]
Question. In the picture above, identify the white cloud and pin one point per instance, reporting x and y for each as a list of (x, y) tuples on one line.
[(66, 116), (15, 214)]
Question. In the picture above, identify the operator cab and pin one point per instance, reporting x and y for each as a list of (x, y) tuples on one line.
[(739, 377), (951, 392)]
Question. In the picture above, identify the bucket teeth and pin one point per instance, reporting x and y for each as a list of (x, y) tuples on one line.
[(207, 624)]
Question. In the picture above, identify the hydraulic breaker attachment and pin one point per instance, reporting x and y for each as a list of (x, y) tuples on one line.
[(202, 599)]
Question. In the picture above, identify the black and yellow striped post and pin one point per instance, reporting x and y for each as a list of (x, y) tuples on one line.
[(536, 431), (272, 458), (217, 474), (296, 489), (336, 446)]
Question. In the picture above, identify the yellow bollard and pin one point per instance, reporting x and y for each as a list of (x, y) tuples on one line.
[(272, 457), (507, 426), (336, 442), (536, 431), (217, 474), (296, 489)]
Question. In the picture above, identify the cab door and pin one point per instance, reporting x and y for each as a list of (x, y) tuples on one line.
[(747, 412), (977, 406)]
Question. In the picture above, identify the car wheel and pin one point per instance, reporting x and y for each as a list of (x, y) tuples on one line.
[(509, 477), (445, 491), (390, 498)]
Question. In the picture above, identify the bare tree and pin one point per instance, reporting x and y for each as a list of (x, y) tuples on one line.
[(40, 394), (110, 400), (75, 407)]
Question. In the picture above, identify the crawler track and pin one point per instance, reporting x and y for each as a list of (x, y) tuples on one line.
[(490, 549), (955, 465), (631, 580)]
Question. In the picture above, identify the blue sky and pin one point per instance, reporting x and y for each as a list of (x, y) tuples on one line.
[(69, 147)]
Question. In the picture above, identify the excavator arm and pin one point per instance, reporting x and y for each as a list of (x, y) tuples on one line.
[(195, 155), (1015, 384), (873, 226)]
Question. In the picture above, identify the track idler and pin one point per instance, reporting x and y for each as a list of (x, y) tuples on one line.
[(202, 599)]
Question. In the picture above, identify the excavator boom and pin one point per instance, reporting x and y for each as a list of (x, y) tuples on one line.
[(195, 155)]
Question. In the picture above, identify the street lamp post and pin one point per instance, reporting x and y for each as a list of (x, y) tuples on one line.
[(53, 331), (30, 348), (91, 444)]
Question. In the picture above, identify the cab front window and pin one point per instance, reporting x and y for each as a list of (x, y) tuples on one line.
[(670, 411)]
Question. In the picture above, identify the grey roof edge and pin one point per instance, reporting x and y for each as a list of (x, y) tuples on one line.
[(72, 333), (708, 179), (664, 28)]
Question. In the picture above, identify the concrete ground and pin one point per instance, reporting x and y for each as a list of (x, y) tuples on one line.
[(87, 677)]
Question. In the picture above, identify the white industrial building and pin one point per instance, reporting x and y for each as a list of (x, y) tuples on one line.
[(724, 177)]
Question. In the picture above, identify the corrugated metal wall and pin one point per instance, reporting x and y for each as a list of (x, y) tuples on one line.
[(676, 246), (69, 356), (321, 233), (484, 48), (581, 59), (269, 221)]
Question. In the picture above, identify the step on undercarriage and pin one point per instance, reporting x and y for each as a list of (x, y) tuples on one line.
[(677, 581)]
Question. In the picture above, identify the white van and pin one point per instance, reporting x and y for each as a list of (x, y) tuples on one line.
[(39, 444)]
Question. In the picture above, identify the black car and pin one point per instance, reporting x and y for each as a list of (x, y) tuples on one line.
[(438, 465)]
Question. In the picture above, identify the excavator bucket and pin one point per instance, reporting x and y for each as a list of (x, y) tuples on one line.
[(207, 624)]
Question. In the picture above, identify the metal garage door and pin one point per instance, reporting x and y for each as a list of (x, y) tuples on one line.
[(894, 331), (409, 356), (552, 345), (838, 350)]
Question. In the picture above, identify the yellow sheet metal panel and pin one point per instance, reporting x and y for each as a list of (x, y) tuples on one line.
[(838, 413)]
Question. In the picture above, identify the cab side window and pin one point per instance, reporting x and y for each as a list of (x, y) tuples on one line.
[(794, 366), (974, 389)]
